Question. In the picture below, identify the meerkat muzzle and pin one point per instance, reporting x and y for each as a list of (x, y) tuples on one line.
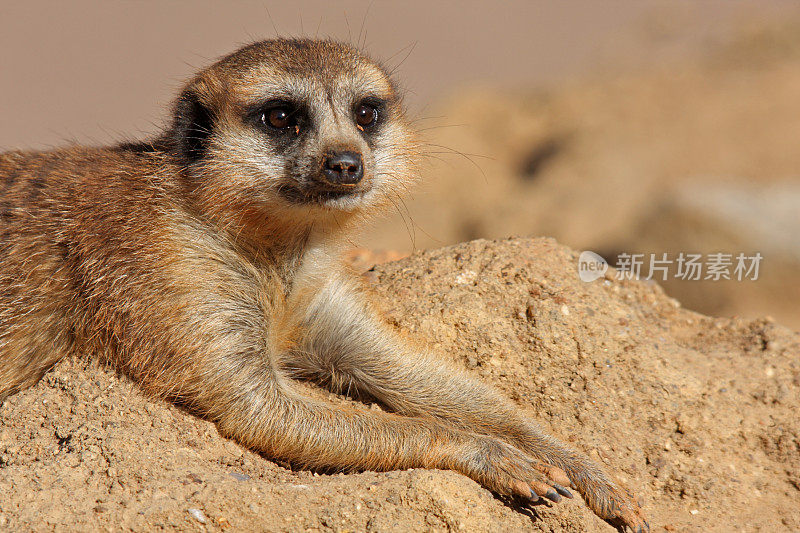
[(343, 168)]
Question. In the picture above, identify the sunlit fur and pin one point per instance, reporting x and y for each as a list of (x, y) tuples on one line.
[(182, 263)]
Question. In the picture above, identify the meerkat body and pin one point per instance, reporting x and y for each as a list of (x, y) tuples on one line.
[(205, 266)]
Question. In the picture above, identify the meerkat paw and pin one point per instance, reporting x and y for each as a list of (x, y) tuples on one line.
[(508, 471), (617, 506)]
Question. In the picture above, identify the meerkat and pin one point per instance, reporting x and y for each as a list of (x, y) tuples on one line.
[(206, 266)]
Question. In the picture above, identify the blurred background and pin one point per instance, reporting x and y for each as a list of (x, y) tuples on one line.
[(613, 126)]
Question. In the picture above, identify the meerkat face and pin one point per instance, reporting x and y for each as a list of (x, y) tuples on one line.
[(296, 126)]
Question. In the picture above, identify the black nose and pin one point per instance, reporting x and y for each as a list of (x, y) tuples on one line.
[(343, 168)]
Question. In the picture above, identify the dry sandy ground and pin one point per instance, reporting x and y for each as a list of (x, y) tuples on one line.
[(697, 415)]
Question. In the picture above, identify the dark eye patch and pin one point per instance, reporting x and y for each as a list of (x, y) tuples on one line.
[(277, 115), (369, 112), (280, 117)]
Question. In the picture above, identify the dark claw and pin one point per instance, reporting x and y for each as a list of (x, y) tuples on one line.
[(644, 529), (552, 496), (561, 490), (535, 497)]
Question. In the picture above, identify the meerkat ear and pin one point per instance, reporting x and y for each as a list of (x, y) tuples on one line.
[(193, 125)]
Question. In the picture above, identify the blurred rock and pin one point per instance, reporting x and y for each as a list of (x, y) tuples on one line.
[(731, 218), (588, 161)]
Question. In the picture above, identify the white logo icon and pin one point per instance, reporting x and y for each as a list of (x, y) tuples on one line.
[(591, 266)]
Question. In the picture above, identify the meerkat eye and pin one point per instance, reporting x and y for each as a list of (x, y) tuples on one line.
[(366, 115), (279, 117)]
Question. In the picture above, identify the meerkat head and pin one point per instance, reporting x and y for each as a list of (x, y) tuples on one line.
[(294, 128)]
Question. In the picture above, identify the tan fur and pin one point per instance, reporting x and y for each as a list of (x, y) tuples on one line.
[(183, 263)]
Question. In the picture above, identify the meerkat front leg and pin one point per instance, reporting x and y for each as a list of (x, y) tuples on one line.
[(255, 404), (350, 348)]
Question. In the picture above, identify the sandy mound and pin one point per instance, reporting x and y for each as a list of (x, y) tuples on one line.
[(697, 415)]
